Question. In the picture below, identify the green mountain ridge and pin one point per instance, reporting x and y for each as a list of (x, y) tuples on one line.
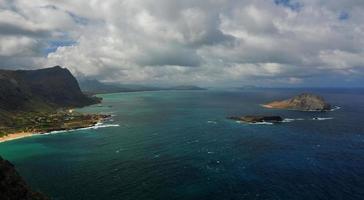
[(49, 88), (31, 92)]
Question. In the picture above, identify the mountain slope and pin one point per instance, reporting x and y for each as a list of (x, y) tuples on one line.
[(40, 89)]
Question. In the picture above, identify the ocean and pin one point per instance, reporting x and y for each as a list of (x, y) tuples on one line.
[(178, 145)]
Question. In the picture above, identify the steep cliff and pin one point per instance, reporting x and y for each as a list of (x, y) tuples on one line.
[(40, 89)]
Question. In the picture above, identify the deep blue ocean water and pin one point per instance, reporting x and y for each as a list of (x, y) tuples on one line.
[(179, 145)]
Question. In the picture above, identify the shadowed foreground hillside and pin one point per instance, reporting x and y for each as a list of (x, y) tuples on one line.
[(13, 187)]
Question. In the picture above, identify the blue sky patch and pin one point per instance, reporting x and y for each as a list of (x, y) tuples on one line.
[(293, 5), (344, 16), (54, 44)]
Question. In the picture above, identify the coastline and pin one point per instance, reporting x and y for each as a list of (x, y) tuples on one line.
[(266, 106), (334, 108), (24, 134), (14, 136)]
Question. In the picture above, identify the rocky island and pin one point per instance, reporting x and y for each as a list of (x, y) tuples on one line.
[(302, 102), (257, 119)]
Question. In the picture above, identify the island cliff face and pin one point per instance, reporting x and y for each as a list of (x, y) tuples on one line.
[(302, 102), (13, 187)]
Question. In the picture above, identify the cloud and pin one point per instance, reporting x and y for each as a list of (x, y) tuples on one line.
[(205, 42)]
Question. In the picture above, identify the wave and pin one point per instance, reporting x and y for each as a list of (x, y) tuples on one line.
[(287, 120), (335, 108), (291, 120), (255, 123), (262, 123), (101, 125), (322, 118), (96, 126)]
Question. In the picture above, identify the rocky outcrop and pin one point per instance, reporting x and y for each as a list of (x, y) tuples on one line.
[(13, 187), (302, 102), (258, 119)]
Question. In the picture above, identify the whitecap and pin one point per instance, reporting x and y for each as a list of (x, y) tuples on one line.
[(101, 125), (291, 120), (288, 120), (322, 118), (335, 108), (255, 123), (96, 126), (262, 123)]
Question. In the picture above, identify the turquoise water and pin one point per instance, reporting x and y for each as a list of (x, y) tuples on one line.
[(179, 145)]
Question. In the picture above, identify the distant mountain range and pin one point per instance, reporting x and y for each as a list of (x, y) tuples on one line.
[(97, 87)]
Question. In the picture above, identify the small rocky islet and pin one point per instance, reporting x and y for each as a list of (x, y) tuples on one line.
[(302, 102), (257, 119)]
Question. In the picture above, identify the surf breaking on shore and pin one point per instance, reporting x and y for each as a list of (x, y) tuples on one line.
[(21, 135), (287, 120)]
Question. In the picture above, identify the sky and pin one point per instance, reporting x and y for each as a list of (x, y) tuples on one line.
[(282, 43)]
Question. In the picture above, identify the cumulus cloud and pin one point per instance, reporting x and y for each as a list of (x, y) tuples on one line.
[(205, 42)]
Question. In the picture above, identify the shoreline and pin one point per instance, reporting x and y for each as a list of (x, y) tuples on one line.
[(24, 134), (15, 136), (266, 106), (283, 108), (20, 135)]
